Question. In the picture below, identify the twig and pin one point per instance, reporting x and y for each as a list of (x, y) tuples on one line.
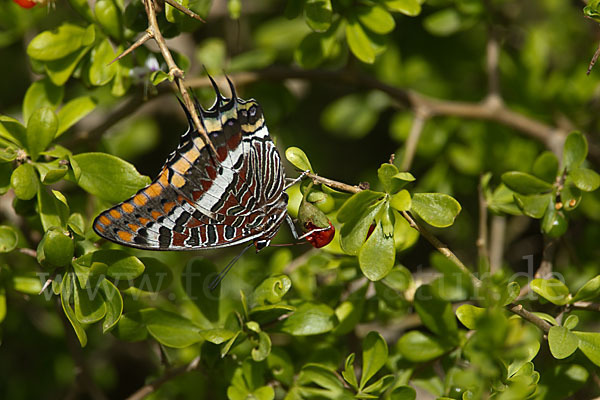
[(497, 233), (492, 58), (544, 271), (529, 316), (594, 59), (29, 252), (147, 35), (482, 246), (334, 184), (184, 10), (173, 373), (586, 305), (413, 138)]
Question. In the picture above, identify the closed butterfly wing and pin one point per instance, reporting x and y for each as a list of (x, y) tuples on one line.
[(204, 200)]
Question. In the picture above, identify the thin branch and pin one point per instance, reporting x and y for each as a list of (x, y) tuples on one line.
[(529, 316), (334, 184), (492, 58), (147, 35), (170, 374), (586, 305), (413, 138), (29, 252), (184, 10), (482, 245), (544, 271), (497, 238), (594, 59)]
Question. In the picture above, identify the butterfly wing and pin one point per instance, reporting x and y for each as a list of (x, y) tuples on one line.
[(200, 200)]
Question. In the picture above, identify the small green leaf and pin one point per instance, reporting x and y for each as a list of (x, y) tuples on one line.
[(571, 322), (281, 365), (589, 344), (261, 352), (524, 183), (24, 182), (59, 71), (51, 172), (357, 204), (552, 290), (109, 17), (272, 289), (418, 347), (216, 336), (8, 239), (401, 201), (66, 294), (53, 212), (570, 196), (585, 179), (12, 130), (348, 372), (377, 255), (131, 327), (436, 314), (375, 353), (89, 304), (411, 8), (437, 209), (108, 177), (309, 319), (534, 205), (468, 315), (443, 22), (403, 393), (122, 266), (354, 232), (55, 44), (575, 151), (170, 329), (562, 342), (377, 19), (385, 173), (359, 42), (56, 248), (100, 73), (317, 14), (546, 167), (41, 129), (73, 111), (42, 93), (589, 291), (114, 305), (298, 159)]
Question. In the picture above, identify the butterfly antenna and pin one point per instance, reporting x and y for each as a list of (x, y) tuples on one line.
[(213, 285)]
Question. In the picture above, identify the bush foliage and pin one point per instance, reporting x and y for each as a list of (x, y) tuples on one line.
[(445, 121)]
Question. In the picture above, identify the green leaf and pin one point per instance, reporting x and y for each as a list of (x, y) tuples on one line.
[(28, 284), (546, 167), (377, 255), (24, 182), (109, 17), (159, 76), (401, 201), (437, 209), (323, 377), (53, 212), (2, 304), (552, 290), (311, 51), (170, 329), (436, 314), (73, 111), (575, 151), (524, 183), (589, 291), (216, 336), (100, 72), (562, 342), (66, 294), (354, 232), (571, 322), (377, 19), (357, 204), (468, 315), (585, 179), (59, 71), (534, 205), (385, 173), (122, 266), (8, 154), (8, 239), (114, 305), (108, 177), (89, 304), (443, 22), (309, 319), (261, 352), (411, 8), (403, 393), (272, 289), (589, 344), (348, 373), (375, 353), (353, 116), (51, 172), (298, 159), (570, 196), (41, 130), (317, 14), (418, 347), (12, 130), (281, 365), (359, 42), (55, 44), (42, 93)]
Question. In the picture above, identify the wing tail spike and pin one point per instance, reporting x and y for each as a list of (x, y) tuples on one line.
[(231, 88), (220, 98)]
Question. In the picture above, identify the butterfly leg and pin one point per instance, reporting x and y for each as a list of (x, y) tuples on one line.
[(290, 222), (292, 182)]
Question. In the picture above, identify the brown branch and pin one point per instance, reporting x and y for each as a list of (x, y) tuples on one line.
[(334, 184), (594, 59), (529, 316), (167, 376), (586, 305), (414, 135), (184, 10), (497, 233), (29, 252), (147, 35)]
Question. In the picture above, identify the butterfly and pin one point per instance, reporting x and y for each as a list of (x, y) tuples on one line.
[(204, 200)]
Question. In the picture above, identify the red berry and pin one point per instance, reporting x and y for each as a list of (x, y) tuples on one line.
[(25, 3), (320, 238)]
